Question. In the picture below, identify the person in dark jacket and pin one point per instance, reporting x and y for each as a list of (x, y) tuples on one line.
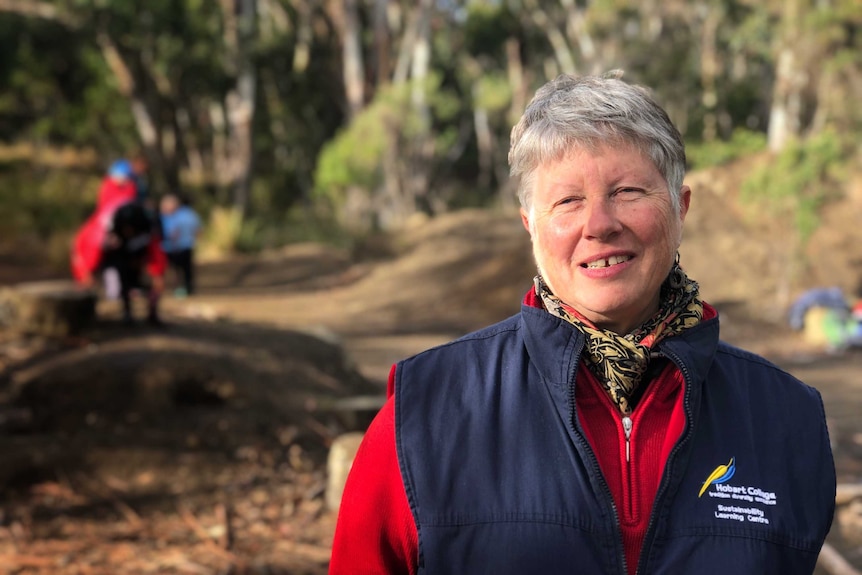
[(605, 429), (119, 244), (131, 252)]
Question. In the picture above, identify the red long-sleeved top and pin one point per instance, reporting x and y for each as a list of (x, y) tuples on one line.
[(86, 253), (376, 532)]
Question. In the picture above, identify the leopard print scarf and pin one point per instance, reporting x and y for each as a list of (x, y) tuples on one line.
[(620, 361)]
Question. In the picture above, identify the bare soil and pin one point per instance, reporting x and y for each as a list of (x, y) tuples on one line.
[(201, 447)]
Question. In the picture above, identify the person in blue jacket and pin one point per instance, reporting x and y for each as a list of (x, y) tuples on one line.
[(606, 428), (181, 227)]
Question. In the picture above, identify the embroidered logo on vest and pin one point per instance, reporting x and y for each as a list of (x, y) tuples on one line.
[(734, 511)]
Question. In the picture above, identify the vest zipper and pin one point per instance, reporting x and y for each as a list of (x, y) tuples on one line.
[(594, 462), (662, 488), (628, 487)]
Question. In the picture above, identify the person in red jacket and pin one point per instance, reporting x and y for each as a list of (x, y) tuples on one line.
[(120, 243), (605, 429)]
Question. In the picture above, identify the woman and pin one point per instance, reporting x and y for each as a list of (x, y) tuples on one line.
[(605, 428)]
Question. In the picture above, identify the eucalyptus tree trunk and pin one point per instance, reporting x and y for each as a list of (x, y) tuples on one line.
[(357, 208), (547, 23), (709, 71), (304, 37), (240, 32), (382, 42), (519, 83), (519, 80), (407, 162), (353, 65), (785, 111), (422, 146), (578, 30), (485, 144), (786, 101)]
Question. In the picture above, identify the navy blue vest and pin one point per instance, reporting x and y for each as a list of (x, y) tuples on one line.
[(501, 480)]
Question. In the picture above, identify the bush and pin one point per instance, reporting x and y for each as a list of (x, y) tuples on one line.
[(717, 153), (44, 201), (222, 231), (796, 184)]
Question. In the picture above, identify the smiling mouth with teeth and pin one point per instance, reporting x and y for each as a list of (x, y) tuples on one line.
[(606, 262)]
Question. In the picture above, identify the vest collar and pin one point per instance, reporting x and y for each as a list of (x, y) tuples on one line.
[(555, 347)]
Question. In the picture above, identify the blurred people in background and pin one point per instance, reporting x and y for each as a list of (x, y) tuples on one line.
[(121, 243), (827, 319), (132, 259), (181, 227), (822, 297)]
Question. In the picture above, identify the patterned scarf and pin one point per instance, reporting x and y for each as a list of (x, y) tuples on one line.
[(620, 361)]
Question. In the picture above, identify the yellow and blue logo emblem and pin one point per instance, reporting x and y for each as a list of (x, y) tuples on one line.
[(720, 474)]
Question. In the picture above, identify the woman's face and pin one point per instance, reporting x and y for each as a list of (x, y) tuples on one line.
[(605, 233)]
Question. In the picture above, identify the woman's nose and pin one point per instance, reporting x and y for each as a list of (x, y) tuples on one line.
[(600, 219)]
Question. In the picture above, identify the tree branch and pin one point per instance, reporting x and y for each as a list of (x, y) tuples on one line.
[(36, 9)]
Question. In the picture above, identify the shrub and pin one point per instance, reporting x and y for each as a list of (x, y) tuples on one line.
[(717, 153), (796, 184)]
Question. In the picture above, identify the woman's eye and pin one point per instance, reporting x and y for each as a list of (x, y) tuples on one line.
[(566, 201), (626, 192)]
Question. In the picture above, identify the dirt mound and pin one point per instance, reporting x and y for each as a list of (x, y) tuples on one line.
[(196, 447), (741, 256), (457, 273)]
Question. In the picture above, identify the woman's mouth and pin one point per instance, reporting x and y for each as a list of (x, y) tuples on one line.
[(606, 262)]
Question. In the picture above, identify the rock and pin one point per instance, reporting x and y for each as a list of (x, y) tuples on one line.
[(341, 455), (849, 518), (355, 412), (49, 308), (846, 492), (833, 562)]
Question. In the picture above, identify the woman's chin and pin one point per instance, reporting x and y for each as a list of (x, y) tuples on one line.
[(620, 316)]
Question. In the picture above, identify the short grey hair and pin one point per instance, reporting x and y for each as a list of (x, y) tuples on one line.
[(587, 112)]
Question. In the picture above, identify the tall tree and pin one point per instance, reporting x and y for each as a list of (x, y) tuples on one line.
[(785, 114)]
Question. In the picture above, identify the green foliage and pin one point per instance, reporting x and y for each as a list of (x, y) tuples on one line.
[(44, 201), (354, 157), (796, 184), (493, 92), (46, 207), (719, 152), (225, 231), (486, 29)]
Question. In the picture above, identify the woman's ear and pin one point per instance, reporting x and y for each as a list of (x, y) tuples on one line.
[(525, 219), (684, 201)]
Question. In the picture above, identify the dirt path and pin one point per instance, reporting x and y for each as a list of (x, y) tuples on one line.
[(340, 313)]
